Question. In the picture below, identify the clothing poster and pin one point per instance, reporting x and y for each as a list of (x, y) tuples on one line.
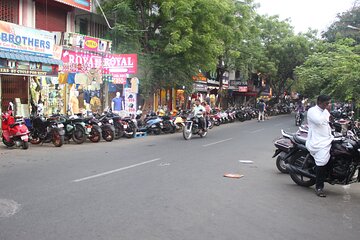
[(130, 101)]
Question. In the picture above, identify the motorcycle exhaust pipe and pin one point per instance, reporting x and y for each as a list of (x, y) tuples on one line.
[(296, 170)]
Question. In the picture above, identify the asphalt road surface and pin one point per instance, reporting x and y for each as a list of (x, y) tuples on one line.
[(166, 188)]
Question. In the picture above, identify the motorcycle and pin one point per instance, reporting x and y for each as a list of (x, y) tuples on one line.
[(129, 126), (108, 126), (46, 130), (192, 127), (93, 126), (74, 129), (152, 124), (344, 163), (14, 130)]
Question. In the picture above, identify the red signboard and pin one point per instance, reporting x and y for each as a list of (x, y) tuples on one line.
[(82, 4), (80, 62), (120, 64), (243, 88)]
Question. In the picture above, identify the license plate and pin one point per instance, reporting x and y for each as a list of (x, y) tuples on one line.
[(25, 137), (111, 121), (99, 123), (125, 126), (60, 125), (88, 129)]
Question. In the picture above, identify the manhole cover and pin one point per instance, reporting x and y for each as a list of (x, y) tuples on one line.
[(8, 207)]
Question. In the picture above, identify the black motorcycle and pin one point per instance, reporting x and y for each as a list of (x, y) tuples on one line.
[(107, 127), (46, 130), (74, 129), (95, 131), (344, 163)]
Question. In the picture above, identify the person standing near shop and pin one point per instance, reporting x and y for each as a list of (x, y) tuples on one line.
[(319, 140)]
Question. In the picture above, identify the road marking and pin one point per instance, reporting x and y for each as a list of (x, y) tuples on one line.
[(115, 170), (206, 145), (259, 130)]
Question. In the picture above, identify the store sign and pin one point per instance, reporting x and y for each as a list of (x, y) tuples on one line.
[(200, 87), (16, 38), (243, 88), (27, 68), (130, 101), (80, 62), (82, 4), (120, 64)]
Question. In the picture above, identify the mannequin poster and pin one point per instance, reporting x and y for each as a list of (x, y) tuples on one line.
[(130, 101)]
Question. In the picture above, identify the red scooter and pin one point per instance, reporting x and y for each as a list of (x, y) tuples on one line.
[(14, 130)]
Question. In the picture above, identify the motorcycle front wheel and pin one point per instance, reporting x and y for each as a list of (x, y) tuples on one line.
[(300, 179), (187, 134), (79, 135), (57, 139), (108, 135), (25, 145), (94, 135)]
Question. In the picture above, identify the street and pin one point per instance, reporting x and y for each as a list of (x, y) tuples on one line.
[(163, 187)]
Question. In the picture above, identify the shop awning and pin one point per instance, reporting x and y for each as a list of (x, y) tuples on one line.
[(29, 58)]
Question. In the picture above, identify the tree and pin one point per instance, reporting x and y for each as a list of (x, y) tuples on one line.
[(342, 27), (334, 69), (174, 38)]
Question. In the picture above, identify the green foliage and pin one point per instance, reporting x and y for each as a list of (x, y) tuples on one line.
[(333, 70)]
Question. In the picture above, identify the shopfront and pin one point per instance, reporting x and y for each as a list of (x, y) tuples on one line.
[(26, 62)]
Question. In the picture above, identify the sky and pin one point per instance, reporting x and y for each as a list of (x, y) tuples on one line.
[(317, 14)]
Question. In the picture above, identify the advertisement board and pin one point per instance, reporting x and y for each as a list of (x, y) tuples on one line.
[(16, 38), (120, 64), (130, 101), (80, 62), (82, 4)]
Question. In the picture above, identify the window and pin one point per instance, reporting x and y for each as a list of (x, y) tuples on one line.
[(83, 24), (9, 11)]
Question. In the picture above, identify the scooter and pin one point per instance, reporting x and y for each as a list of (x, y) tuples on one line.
[(14, 130)]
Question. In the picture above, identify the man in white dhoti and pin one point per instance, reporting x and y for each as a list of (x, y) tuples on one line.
[(319, 139)]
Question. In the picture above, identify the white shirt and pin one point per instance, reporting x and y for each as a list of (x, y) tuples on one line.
[(199, 109), (319, 137)]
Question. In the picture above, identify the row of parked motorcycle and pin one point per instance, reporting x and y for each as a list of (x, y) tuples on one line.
[(58, 129)]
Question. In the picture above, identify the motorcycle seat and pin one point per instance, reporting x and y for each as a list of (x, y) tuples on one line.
[(13, 125), (300, 139)]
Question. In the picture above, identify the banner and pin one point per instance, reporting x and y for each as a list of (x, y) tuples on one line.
[(130, 101), (16, 38), (82, 4), (120, 64), (80, 62)]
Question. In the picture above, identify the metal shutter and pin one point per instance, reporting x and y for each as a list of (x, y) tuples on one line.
[(9, 11), (50, 16)]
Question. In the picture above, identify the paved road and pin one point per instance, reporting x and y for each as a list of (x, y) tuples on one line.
[(166, 188)]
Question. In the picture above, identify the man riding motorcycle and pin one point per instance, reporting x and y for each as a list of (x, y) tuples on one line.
[(199, 112)]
